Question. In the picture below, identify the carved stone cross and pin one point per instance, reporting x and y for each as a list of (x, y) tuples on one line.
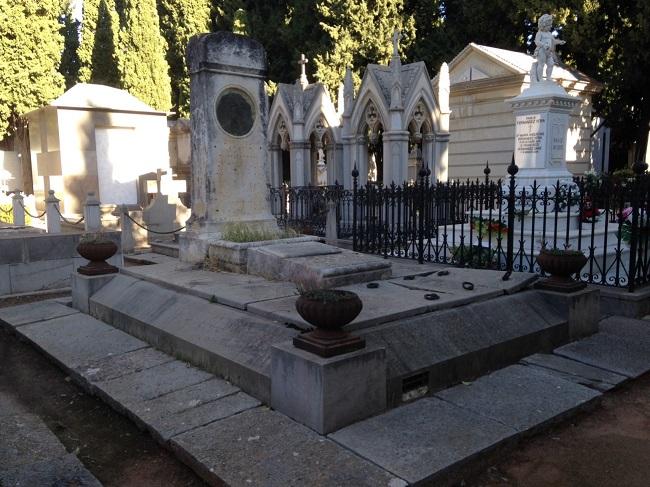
[(303, 74), (396, 38), (159, 174)]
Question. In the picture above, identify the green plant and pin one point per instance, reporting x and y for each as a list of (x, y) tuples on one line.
[(565, 250), (242, 233), (94, 238), (474, 256)]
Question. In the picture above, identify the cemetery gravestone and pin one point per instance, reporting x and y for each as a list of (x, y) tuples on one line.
[(228, 106)]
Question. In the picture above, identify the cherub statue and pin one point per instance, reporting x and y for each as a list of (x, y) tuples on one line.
[(545, 50)]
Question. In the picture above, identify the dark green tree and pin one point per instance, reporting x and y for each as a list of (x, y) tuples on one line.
[(97, 49), (141, 62), (69, 58), (180, 20), (30, 54)]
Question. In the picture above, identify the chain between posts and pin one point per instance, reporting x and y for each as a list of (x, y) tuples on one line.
[(153, 231), (66, 220), (33, 216)]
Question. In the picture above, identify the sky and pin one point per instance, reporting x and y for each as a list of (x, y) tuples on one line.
[(76, 8)]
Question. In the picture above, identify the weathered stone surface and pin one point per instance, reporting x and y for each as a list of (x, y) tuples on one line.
[(626, 328), (224, 341), (424, 440), (65, 471), (573, 371), (5, 280), (11, 250), (83, 287), (610, 352), (78, 339), (520, 397), (47, 247), (303, 249), (461, 343), (26, 440), (33, 312), (39, 275), (115, 366), (582, 309), (263, 447), (328, 393), (150, 383), (236, 290), (10, 405), (166, 416)]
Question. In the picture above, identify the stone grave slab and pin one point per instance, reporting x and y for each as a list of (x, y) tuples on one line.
[(263, 447), (333, 267), (151, 383), (301, 249), (127, 363), (26, 440), (610, 352), (230, 343), (423, 441), (626, 328), (586, 375), (78, 339), (230, 289), (33, 312), (521, 397)]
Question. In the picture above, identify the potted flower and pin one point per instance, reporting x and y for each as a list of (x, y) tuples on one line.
[(96, 248), (561, 264), (328, 310)]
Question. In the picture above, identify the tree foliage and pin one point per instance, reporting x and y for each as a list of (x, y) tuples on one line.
[(141, 62), (30, 54), (97, 49), (69, 67), (180, 20)]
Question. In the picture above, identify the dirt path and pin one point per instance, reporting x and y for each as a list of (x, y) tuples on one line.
[(609, 447), (108, 444)]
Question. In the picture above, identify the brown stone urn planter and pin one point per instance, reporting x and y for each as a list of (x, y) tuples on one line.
[(329, 310), (561, 265), (96, 252)]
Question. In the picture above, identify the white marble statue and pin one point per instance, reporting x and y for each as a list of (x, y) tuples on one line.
[(372, 169), (545, 44), (321, 169)]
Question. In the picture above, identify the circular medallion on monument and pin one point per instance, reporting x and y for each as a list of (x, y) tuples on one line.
[(235, 112)]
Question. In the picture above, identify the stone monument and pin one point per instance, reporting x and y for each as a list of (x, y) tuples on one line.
[(542, 118), (228, 114)]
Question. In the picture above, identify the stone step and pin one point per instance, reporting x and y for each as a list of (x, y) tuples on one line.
[(219, 431), (230, 343), (443, 439), (165, 248)]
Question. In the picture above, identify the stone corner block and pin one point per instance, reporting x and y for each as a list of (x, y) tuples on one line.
[(84, 287), (327, 394), (582, 309)]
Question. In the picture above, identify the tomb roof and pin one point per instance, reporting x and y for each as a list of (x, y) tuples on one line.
[(86, 95)]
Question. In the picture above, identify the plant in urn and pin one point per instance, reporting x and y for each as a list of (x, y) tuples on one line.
[(96, 248)]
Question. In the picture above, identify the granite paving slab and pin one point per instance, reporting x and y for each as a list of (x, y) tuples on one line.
[(25, 440), (78, 339), (65, 471), (261, 447), (230, 343), (520, 397), (610, 352), (626, 328), (115, 366), (586, 375), (230, 289), (32, 312), (151, 383), (424, 441)]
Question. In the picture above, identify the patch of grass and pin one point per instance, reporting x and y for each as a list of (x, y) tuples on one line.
[(242, 233)]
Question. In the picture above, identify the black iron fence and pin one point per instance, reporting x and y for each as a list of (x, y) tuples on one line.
[(499, 225)]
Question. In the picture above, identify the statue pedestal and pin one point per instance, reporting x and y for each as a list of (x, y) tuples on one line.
[(541, 123)]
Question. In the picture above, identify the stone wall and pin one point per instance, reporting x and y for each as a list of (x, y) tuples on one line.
[(38, 262)]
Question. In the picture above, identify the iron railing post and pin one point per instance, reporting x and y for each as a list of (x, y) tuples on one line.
[(639, 168), (355, 176), (512, 170)]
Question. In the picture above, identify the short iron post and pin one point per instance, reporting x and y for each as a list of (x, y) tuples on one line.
[(487, 172), (92, 217), (512, 171), (126, 227), (355, 182), (52, 217), (639, 168), (18, 208), (422, 174)]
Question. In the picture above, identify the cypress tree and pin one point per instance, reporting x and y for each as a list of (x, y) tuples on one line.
[(30, 54), (69, 58), (97, 49), (141, 55), (180, 20)]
